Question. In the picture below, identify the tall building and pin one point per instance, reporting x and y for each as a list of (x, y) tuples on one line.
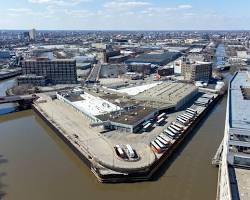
[(234, 173), (61, 71), (197, 71), (32, 34)]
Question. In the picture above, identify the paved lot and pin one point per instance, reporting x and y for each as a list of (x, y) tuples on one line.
[(243, 183), (100, 147)]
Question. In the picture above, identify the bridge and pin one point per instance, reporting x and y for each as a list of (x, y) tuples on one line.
[(94, 74), (24, 101)]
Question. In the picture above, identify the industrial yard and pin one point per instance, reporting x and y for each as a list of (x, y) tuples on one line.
[(119, 134)]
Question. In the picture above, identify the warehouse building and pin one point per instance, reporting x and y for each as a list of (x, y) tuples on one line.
[(112, 70), (118, 59), (155, 58), (165, 71), (239, 117), (168, 95), (127, 113), (234, 170), (143, 68)]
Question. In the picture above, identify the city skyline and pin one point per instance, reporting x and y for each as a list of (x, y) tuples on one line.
[(125, 15)]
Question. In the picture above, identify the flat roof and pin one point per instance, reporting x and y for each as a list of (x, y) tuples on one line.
[(166, 93), (137, 89), (196, 50), (131, 117), (155, 58), (239, 108), (90, 104), (119, 56)]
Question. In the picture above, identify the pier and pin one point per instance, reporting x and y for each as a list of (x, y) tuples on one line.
[(97, 151)]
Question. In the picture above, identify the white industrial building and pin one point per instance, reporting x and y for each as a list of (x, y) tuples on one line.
[(234, 173)]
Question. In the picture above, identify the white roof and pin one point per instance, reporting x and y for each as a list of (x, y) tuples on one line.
[(94, 105), (138, 89)]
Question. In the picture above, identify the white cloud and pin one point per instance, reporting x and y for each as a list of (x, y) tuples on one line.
[(184, 6), (59, 2), (22, 12), (45, 1), (165, 11), (121, 14), (122, 5), (18, 10), (78, 13)]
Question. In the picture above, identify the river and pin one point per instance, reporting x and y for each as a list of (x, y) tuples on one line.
[(220, 55), (35, 164)]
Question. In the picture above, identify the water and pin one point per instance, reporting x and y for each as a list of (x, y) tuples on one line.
[(220, 55), (4, 85), (35, 164), (220, 61)]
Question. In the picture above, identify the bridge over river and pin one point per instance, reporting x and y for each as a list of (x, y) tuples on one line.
[(24, 101)]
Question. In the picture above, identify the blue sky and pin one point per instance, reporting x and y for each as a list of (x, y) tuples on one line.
[(125, 14)]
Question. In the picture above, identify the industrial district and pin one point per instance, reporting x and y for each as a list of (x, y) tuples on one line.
[(125, 101)]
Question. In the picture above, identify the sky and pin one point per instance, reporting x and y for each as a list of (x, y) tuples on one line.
[(125, 14)]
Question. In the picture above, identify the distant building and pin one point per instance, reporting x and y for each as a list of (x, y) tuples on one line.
[(155, 58), (26, 35), (118, 59), (177, 64), (112, 53), (32, 34), (4, 54), (105, 54), (61, 71), (112, 70), (143, 68), (165, 71), (198, 71)]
